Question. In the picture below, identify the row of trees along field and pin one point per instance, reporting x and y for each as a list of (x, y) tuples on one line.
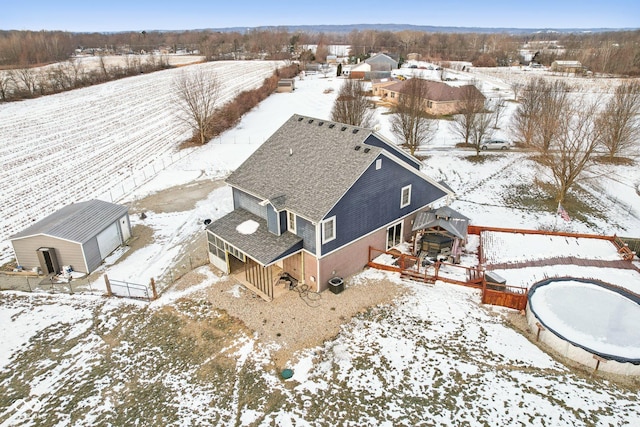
[(616, 52), (567, 132)]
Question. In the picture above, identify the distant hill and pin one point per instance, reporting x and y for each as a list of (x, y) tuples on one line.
[(422, 28)]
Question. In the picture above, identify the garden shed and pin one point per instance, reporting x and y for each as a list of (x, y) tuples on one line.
[(80, 235)]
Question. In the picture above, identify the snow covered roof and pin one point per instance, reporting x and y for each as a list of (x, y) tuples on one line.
[(249, 233), (77, 222)]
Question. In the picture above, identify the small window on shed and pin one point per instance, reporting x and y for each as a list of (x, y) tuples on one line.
[(378, 164)]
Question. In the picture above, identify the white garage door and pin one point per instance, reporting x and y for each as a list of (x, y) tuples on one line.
[(108, 240)]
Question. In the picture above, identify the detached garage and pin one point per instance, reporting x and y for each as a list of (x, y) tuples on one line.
[(81, 235)]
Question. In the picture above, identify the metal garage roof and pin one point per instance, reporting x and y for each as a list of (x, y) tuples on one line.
[(78, 222)]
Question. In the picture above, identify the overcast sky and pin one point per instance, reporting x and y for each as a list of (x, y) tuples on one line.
[(138, 15)]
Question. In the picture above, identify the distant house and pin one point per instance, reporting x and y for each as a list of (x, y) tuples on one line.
[(378, 85), (378, 66), (566, 66), (310, 202), (286, 85), (442, 98), (381, 62), (80, 235)]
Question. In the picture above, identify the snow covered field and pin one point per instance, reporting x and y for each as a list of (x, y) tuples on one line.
[(97, 142), (436, 357)]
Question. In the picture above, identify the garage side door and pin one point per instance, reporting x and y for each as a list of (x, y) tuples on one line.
[(108, 240)]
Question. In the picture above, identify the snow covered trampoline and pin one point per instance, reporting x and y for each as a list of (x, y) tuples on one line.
[(588, 321)]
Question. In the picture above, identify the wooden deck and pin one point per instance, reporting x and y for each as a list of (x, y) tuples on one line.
[(496, 294)]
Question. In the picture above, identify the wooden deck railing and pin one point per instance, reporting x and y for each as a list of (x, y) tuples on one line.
[(623, 249), (504, 295)]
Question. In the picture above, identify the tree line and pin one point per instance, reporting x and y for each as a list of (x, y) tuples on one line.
[(568, 132), (616, 52), (27, 82)]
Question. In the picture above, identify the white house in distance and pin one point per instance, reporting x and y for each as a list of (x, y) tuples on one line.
[(80, 235)]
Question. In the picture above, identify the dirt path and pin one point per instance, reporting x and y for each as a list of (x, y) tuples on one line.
[(176, 199)]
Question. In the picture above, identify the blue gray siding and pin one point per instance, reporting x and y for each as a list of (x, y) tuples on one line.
[(248, 203), (376, 142), (283, 221), (307, 231), (92, 254), (273, 220), (374, 201)]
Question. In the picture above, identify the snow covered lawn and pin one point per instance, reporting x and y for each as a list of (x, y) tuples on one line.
[(501, 247)]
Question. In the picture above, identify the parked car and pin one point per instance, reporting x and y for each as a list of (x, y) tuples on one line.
[(495, 144)]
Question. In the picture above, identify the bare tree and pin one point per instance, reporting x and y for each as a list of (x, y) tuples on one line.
[(103, 67), (573, 146), (28, 77), (6, 86), (619, 123), (352, 106), (554, 100), (498, 107), (410, 122), (523, 121), (471, 104), (516, 87), (481, 128), (196, 97)]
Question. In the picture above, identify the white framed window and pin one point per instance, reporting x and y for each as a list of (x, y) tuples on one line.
[(405, 196), (378, 164), (291, 222), (328, 229)]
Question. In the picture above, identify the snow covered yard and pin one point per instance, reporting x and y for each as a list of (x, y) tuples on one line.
[(501, 247), (434, 357)]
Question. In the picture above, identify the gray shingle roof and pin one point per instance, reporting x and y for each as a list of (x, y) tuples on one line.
[(77, 222), (261, 245), (307, 165), (438, 91)]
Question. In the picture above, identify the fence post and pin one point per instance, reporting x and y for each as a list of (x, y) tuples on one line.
[(108, 285), (153, 289), (540, 329)]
